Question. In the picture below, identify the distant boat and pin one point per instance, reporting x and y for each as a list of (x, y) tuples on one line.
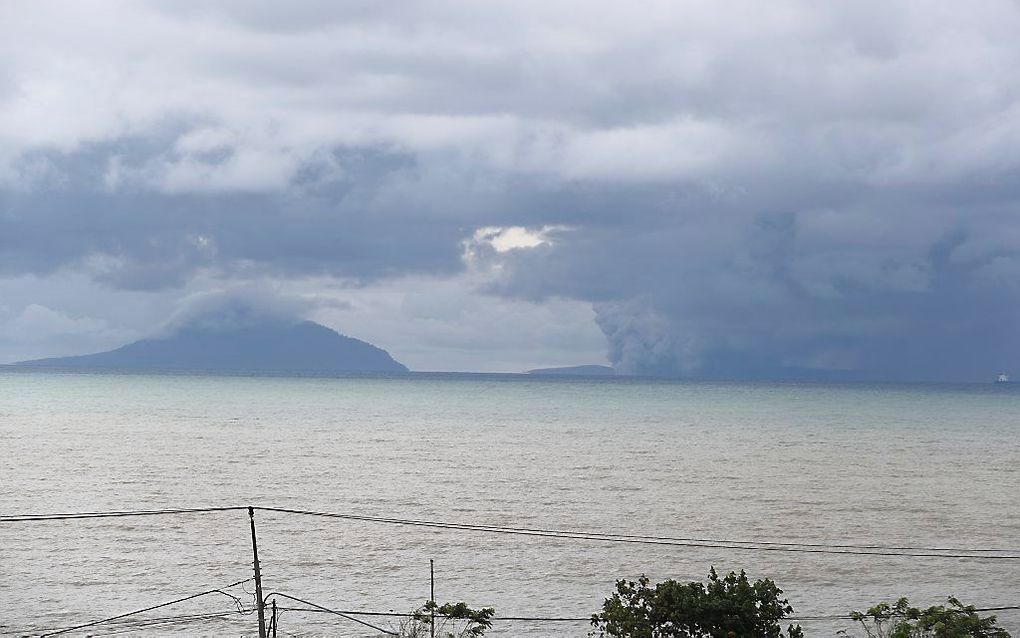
[(1002, 378)]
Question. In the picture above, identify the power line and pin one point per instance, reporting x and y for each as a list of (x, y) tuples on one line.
[(588, 619), (132, 624), (759, 545), (570, 535), (332, 611), (397, 614), (167, 621), (389, 614), (765, 542), (142, 611), (123, 622), (724, 541), (129, 624), (848, 617), (24, 518)]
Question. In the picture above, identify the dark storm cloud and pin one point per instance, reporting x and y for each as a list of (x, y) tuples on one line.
[(794, 293), (329, 220), (823, 190)]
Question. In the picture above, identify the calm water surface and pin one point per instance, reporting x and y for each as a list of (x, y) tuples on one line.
[(886, 465)]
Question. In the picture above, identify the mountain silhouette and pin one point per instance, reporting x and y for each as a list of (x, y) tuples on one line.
[(273, 346)]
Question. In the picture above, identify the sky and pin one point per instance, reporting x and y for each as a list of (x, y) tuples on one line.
[(720, 189)]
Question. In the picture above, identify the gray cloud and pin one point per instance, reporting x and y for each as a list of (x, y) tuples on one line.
[(810, 189), (236, 307)]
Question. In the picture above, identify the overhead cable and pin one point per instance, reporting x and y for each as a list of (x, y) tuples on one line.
[(332, 611), (218, 590), (612, 538), (712, 543), (24, 518)]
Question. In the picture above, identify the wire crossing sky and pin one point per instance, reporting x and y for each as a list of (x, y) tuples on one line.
[(723, 190)]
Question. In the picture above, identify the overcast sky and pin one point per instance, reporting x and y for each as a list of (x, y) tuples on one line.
[(734, 189)]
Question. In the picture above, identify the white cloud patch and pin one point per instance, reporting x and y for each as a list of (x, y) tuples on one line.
[(503, 239), (37, 330), (35, 320)]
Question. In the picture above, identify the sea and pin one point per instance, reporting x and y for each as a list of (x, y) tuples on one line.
[(743, 472)]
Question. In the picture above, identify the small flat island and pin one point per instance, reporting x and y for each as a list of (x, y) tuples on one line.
[(575, 371)]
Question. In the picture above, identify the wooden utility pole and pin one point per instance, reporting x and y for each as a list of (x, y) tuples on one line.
[(432, 593), (275, 617), (260, 604)]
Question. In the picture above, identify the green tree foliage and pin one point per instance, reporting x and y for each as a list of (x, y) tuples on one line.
[(900, 620), (730, 607), (453, 620)]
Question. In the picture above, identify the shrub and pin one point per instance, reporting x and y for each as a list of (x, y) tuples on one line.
[(722, 608), (900, 620), (453, 620)]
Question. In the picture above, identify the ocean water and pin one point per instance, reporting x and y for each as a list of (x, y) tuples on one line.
[(811, 463)]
